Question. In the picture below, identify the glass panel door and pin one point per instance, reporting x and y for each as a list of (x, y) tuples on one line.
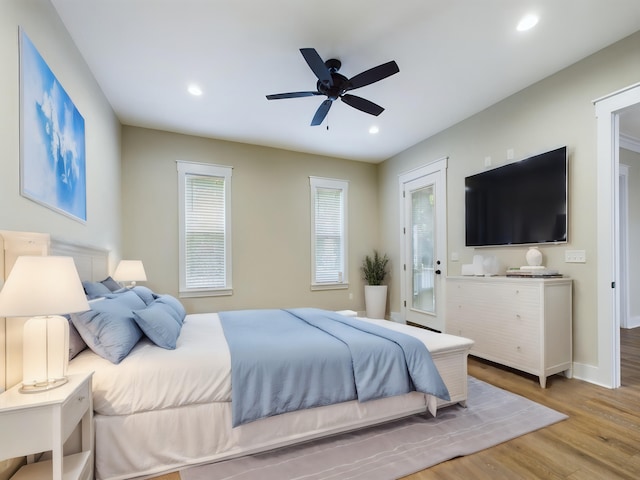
[(422, 249)]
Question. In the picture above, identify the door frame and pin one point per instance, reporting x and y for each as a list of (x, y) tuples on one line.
[(608, 108), (623, 185), (436, 167)]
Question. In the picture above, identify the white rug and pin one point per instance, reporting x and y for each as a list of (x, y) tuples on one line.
[(395, 449)]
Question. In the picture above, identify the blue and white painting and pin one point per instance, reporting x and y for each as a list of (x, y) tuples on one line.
[(52, 138)]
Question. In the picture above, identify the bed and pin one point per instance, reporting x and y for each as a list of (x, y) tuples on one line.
[(159, 409)]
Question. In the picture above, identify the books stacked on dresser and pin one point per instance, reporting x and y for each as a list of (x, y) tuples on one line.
[(533, 271)]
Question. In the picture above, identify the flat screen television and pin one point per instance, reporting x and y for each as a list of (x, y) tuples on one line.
[(524, 202)]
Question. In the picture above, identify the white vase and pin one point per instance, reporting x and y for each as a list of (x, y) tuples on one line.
[(534, 257), (375, 300)]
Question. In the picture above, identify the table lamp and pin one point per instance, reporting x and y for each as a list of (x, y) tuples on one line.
[(43, 288), (130, 271)]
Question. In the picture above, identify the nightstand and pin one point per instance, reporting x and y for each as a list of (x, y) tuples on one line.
[(32, 423)]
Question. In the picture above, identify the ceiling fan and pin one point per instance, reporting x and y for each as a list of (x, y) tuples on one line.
[(334, 85)]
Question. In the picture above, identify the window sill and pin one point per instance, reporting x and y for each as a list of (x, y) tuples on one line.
[(205, 293), (329, 286)]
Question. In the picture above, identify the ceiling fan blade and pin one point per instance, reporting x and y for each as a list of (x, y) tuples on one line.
[(317, 65), (278, 96), (362, 104), (373, 75), (322, 111)]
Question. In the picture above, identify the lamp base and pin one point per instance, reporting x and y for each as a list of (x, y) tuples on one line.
[(43, 386)]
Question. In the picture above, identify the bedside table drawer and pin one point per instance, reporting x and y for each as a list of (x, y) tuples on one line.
[(74, 409)]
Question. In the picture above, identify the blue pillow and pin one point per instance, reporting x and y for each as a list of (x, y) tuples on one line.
[(175, 304), (109, 329), (146, 294), (170, 310), (111, 284), (76, 343), (95, 289), (158, 323), (127, 298)]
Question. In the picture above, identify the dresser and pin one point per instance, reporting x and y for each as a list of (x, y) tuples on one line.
[(522, 323)]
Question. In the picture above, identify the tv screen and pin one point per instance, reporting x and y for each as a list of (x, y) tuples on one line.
[(524, 202)]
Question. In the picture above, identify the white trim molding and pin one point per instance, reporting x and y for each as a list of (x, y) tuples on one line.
[(630, 143), (607, 110)]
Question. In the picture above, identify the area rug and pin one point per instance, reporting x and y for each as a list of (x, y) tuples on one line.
[(397, 448)]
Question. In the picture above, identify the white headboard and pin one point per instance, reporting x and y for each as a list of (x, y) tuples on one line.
[(92, 264)]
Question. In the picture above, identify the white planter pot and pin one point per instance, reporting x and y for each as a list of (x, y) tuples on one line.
[(375, 300)]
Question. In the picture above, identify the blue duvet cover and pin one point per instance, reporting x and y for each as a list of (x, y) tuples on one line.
[(286, 360)]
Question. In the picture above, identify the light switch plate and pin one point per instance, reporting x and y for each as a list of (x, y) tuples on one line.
[(575, 256)]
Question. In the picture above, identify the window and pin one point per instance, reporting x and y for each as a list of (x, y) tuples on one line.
[(205, 229), (328, 233)]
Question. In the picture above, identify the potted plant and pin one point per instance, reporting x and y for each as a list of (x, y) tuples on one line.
[(375, 294)]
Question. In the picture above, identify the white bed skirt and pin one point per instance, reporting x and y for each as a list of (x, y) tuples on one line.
[(160, 441)]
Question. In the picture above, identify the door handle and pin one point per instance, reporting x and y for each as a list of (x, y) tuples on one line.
[(437, 272)]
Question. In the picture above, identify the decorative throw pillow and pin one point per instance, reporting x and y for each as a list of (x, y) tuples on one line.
[(128, 298), (111, 284), (175, 304), (146, 294), (95, 289), (76, 343), (158, 324), (109, 329)]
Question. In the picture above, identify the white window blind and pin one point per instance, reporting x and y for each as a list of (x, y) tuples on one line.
[(205, 266), (329, 238)]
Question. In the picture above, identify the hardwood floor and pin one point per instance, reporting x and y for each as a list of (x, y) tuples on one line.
[(599, 440)]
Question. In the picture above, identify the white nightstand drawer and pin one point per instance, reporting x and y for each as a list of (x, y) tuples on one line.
[(74, 408)]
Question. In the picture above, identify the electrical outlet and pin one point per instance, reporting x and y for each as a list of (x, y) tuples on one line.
[(575, 256)]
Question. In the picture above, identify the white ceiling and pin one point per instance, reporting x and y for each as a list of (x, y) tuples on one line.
[(456, 57)]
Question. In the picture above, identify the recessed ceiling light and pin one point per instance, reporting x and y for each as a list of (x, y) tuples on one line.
[(373, 130), (528, 22), (194, 90)]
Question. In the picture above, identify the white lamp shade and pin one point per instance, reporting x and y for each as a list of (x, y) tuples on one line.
[(130, 271), (42, 286)]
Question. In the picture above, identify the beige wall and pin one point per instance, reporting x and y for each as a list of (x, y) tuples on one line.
[(556, 111), (632, 159), (270, 218), (46, 31)]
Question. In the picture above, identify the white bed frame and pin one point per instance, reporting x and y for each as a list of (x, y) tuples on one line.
[(121, 460)]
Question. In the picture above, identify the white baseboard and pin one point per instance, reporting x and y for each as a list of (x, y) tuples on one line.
[(633, 322), (588, 373)]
